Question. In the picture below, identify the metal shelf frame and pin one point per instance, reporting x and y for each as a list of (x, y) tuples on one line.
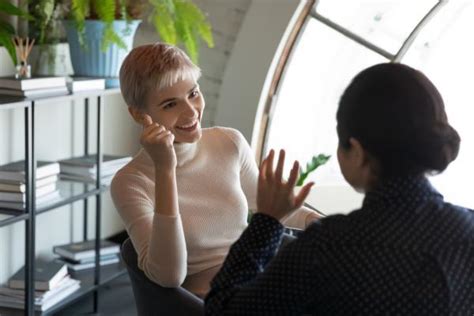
[(31, 210)]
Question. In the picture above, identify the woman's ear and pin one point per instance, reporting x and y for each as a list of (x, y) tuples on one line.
[(359, 154), (136, 114)]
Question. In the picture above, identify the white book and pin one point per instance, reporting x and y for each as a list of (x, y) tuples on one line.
[(7, 293), (46, 304), (89, 161), (76, 84), (85, 249), (75, 170), (16, 170), (46, 92), (18, 186), (86, 179), (89, 265), (32, 83), (40, 202), (21, 197)]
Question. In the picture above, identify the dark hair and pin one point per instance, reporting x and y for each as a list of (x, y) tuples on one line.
[(398, 116)]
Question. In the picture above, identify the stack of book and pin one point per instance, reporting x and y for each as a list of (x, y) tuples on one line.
[(81, 255), (84, 168), (13, 184), (33, 87), (52, 284)]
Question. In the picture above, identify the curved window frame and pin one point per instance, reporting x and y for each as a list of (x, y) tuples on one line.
[(310, 11)]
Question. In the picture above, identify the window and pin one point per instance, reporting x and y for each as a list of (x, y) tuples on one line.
[(302, 118)]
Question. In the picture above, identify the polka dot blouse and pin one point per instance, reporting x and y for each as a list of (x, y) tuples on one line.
[(405, 252)]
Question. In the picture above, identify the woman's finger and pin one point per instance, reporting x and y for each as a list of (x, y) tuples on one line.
[(156, 134), (295, 171), (280, 164), (261, 172), (269, 165), (147, 121), (303, 194), (152, 129)]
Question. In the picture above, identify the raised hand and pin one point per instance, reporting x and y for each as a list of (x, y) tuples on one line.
[(158, 142), (275, 196)]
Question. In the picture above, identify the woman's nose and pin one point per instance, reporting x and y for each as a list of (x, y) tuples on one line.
[(190, 108)]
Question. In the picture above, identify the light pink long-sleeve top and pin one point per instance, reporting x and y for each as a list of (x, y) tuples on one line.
[(217, 185)]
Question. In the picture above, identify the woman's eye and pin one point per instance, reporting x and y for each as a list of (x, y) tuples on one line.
[(194, 94), (169, 105)]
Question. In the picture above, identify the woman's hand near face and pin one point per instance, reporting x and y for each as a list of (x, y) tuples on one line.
[(158, 142), (275, 196)]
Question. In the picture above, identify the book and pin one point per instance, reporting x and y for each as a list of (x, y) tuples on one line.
[(47, 275), (16, 170), (18, 186), (21, 196), (7, 293), (43, 300), (40, 202), (46, 92), (86, 179), (85, 249), (89, 161), (32, 83), (89, 264), (76, 84)]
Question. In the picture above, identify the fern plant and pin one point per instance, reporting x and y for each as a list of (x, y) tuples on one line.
[(178, 22), (7, 31)]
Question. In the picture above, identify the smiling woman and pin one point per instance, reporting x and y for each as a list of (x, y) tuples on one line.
[(185, 197)]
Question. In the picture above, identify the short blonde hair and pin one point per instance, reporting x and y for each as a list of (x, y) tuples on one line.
[(153, 66)]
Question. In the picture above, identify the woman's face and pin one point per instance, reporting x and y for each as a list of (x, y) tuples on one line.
[(179, 109)]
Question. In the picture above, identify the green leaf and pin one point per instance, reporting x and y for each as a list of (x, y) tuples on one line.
[(163, 20), (7, 28), (10, 9), (79, 10), (315, 163), (6, 41)]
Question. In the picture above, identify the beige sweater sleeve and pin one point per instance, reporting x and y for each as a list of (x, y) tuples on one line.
[(249, 181), (158, 240)]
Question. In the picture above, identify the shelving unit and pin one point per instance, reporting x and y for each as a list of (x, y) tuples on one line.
[(70, 193)]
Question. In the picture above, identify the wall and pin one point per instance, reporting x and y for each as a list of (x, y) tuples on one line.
[(60, 130), (245, 77)]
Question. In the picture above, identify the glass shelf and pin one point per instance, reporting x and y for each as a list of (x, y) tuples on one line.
[(69, 192)]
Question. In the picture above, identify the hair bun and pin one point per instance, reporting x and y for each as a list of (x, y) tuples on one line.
[(439, 149)]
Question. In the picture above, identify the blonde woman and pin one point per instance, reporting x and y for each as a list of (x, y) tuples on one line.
[(185, 196)]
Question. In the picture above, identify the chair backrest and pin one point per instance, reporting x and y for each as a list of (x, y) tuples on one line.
[(152, 299)]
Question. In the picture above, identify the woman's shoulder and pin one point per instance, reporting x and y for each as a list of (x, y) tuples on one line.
[(225, 133), (134, 172)]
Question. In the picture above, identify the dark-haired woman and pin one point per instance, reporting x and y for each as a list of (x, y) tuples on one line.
[(405, 252)]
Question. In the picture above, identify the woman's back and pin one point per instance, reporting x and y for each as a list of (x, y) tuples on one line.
[(405, 251)]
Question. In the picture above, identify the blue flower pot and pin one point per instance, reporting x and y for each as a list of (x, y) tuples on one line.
[(93, 62)]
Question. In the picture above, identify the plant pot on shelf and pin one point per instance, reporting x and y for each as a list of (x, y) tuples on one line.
[(51, 60), (92, 61)]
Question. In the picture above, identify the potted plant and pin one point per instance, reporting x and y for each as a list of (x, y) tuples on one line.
[(51, 54), (100, 32)]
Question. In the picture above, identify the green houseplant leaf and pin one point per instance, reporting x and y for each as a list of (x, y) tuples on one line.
[(178, 22), (7, 31), (311, 166)]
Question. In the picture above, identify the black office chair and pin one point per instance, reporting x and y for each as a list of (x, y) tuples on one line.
[(152, 299)]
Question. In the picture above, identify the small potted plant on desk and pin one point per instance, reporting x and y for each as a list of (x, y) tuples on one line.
[(100, 32)]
